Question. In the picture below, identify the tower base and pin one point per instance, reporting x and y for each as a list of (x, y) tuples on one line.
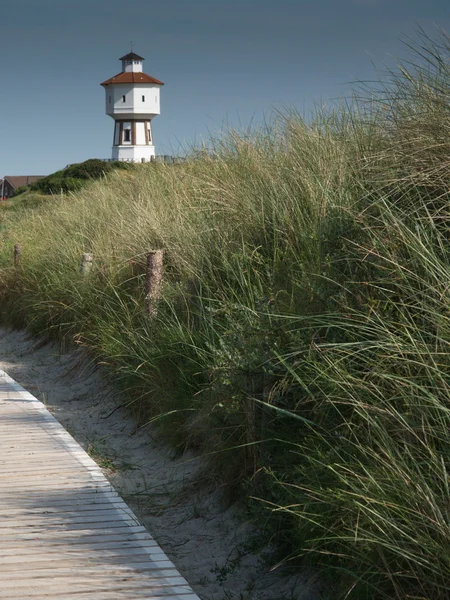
[(135, 154)]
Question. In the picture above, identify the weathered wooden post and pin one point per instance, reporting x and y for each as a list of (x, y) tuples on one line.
[(153, 281), (86, 264), (17, 254)]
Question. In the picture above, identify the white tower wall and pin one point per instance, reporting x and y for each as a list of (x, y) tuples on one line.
[(133, 153), (140, 100), (146, 99)]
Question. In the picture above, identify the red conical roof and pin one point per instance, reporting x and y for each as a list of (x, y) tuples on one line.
[(129, 77)]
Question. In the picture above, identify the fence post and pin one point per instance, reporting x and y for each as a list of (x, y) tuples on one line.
[(86, 264), (153, 281), (17, 254)]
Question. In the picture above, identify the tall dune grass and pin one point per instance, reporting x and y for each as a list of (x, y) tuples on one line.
[(302, 340)]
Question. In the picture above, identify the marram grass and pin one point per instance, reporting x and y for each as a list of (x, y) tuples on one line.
[(302, 340)]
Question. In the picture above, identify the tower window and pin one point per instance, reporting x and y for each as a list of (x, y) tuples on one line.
[(137, 62), (123, 98), (127, 135), (143, 98)]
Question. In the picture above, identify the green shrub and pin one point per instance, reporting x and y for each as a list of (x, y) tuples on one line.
[(73, 177)]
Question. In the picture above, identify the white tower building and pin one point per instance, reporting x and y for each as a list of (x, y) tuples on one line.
[(132, 100)]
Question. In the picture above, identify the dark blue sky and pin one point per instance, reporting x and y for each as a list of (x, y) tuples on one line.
[(222, 62)]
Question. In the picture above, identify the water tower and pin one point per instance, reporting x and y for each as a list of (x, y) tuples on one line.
[(132, 100)]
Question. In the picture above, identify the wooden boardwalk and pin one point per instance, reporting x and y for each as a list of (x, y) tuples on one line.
[(64, 532)]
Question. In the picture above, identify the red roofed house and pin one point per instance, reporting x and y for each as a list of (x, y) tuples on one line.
[(132, 100), (10, 183)]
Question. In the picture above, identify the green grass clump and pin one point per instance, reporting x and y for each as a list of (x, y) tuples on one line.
[(302, 340)]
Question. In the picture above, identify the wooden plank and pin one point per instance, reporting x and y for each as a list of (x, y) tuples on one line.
[(49, 469), (65, 533), (78, 537), (95, 571), (19, 568), (83, 584), (11, 547), (117, 594), (81, 556), (66, 526), (38, 501), (95, 574), (65, 510), (67, 484), (75, 583), (52, 589)]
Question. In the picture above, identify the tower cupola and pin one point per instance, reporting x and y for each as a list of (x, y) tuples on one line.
[(132, 100), (132, 63)]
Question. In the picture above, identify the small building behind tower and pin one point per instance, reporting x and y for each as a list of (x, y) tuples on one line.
[(132, 100)]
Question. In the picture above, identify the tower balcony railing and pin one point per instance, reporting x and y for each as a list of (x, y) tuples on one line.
[(165, 158)]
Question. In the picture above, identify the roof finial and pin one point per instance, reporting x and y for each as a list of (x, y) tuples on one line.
[(131, 46)]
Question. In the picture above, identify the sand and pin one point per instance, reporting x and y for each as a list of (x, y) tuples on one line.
[(207, 540)]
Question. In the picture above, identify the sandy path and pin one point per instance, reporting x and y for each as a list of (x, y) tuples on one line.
[(169, 494)]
